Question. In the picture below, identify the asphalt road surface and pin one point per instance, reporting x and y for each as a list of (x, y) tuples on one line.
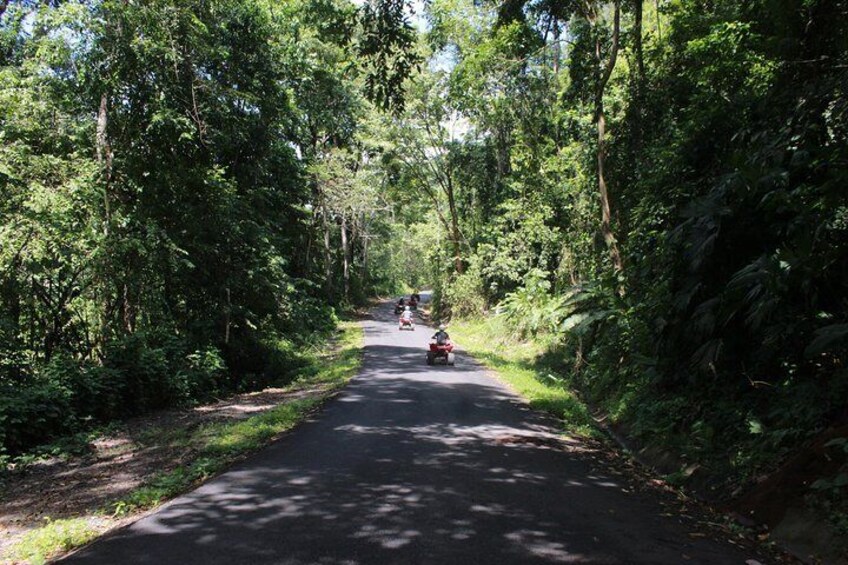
[(413, 464)]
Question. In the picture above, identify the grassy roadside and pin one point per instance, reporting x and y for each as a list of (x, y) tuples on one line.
[(520, 365), (212, 449)]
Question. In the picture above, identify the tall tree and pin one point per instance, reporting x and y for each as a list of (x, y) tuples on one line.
[(424, 139), (605, 64)]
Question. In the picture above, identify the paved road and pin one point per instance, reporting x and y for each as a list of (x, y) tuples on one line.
[(412, 464)]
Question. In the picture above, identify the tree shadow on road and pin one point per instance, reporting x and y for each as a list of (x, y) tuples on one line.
[(473, 481)]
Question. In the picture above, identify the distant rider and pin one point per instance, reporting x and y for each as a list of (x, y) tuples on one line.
[(441, 336), (407, 314)]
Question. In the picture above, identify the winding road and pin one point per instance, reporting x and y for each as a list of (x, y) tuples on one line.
[(414, 464)]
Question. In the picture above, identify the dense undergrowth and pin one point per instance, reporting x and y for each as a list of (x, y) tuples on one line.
[(738, 465), (139, 374), (213, 447), (702, 435)]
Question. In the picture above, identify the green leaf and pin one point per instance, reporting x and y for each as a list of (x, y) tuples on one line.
[(826, 339)]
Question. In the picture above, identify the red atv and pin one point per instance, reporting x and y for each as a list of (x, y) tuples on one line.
[(440, 353), (404, 324)]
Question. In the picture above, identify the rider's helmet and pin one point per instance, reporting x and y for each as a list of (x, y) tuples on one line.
[(441, 327), (406, 308)]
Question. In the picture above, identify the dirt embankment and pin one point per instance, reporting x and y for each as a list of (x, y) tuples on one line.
[(777, 505), (779, 501)]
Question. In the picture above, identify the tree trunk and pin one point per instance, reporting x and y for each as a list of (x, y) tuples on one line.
[(637, 39), (307, 257), (104, 160), (639, 83), (128, 310), (104, 156), (11, 295), (328, 255), (364, 238), (600, 118), (606, 213), (659, 25), (31, 329), (556, 47), (502, 152), (345, 259), (228, 317), (456, 236)]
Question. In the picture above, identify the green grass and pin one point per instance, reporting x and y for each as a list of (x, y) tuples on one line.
[(337, 368), (54, 537), (519, 364), (215, 446)]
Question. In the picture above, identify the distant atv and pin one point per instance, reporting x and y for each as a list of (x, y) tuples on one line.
[(404, 324), (440, 353)]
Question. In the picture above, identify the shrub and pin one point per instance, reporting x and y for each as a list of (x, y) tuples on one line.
[(139, 373), (284, 362), (465, 296), (34, 414), (148, 373), (151, 370), (531, 309), (202, 376)]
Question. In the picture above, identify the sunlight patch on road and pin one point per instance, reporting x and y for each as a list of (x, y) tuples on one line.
[(536, 543)]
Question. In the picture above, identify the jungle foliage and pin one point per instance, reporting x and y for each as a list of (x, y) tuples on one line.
[(657, 191), (186, 197), (654, 191)]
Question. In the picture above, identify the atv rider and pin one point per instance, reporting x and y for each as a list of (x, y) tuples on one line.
[(441, 336), (407, 314), (399, 306)]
